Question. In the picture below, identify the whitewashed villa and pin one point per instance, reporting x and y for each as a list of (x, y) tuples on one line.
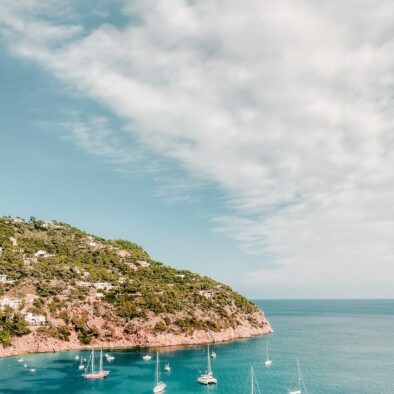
[(13, 303), (35, 320)]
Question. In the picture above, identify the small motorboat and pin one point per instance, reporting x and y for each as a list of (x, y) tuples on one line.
[(147, 357), (167, 367), (32, 370)]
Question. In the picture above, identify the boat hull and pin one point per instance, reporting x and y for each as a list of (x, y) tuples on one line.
[(96, 376), (207, 379), (159, 388)]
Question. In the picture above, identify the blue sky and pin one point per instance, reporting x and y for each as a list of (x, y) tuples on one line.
[(253, 145)]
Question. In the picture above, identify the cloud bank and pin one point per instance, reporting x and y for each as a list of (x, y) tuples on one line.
[(286, 106)]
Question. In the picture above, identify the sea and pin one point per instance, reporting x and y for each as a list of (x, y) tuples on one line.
[(343, 347)]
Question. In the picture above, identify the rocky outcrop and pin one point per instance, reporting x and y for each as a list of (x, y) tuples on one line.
[(37, 343)]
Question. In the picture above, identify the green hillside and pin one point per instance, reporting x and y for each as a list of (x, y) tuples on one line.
[(66, 274)]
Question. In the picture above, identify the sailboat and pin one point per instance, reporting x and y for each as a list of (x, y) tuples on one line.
[(93, 374), (81, 364), (159, 385), (300, 382), (208, 377), (254, 386), (213, 354), (268, 362)]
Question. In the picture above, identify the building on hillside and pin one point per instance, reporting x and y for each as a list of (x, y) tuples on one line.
[(41, 253), (103, 286), (207, 293), (180, 276), (82, 283), (4, 279), (143, 263), (13, 241), (35, 320), (13, 303)]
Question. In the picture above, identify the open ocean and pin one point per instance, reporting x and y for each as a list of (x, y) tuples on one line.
[(344, 346)]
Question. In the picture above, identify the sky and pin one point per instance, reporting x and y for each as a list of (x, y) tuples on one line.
[(249, 141)]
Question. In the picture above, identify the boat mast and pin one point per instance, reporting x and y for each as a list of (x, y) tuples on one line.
[(157, 369), (251, 381), (267, 352), (101, 360), (209, 362), (299, 374), (92, 360)]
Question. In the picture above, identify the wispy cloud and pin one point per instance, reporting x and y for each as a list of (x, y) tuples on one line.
[(286, 106)]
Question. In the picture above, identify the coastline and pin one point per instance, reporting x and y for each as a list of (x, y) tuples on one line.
[(31, 344)]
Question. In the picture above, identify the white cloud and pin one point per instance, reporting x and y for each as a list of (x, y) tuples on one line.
[(286, 106)]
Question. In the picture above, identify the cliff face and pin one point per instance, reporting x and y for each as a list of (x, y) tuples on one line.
[(63, 289)]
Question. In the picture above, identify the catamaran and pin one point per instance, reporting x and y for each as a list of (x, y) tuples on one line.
[(207, 378), (93, 374), (159, 385), (300, 382), (254, 386), (268, 362)]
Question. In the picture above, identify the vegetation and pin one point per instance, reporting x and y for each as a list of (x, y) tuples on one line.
[(78, 277)]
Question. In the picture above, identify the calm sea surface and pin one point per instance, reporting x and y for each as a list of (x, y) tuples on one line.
[(343, 347)]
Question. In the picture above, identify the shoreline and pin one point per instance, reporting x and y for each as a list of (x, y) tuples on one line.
[(163, 341)]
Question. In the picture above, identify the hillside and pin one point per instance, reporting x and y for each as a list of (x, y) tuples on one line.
[(62, 288)]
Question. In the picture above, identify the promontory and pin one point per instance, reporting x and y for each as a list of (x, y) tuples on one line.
[(63, 289)]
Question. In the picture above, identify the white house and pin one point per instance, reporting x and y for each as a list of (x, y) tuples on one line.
[(102, 285), (3, 279), (143, 263), (207, 293), (1, 250), (82, 283), (35, 320), (181, 276), (91, 241), (13, 241), (13, 303), (41, 253)]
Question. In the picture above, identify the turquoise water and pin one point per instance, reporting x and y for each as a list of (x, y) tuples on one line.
[(343, 347)]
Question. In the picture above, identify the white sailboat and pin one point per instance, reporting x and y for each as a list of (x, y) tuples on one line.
[(268, 362), (300, 382), (254, 386), (81, 364), (208, 377), (213, 354), (92, 374), (159, 385)]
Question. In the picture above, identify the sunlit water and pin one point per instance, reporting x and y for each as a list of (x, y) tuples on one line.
[(343, 347)]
